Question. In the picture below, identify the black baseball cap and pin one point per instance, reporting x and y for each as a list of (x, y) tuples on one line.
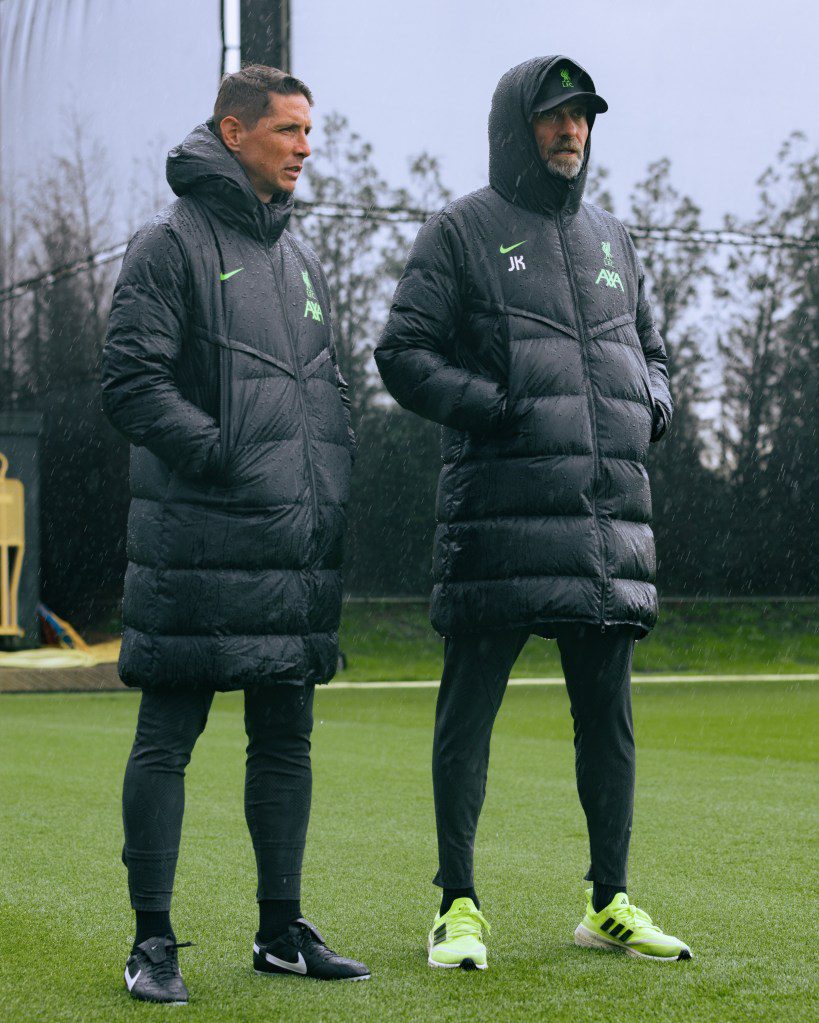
[(564, 82)]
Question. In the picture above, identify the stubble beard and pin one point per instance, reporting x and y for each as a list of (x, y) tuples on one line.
[(564, 165)]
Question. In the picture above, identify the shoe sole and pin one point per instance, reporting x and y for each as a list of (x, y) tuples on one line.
[(464, 964), (305, 976), (154, 1001), (588, 939)]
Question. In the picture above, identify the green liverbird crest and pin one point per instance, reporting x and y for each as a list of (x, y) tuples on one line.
[(308, 284), (311, 306), (610, 277), (566, 78)]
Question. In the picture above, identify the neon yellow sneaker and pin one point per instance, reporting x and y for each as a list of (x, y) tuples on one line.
[(456, 938), (623, 926)]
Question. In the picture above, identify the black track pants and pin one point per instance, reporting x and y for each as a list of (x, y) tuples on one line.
[(597, 669), (278, 787)]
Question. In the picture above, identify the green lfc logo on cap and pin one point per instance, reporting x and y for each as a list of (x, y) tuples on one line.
[(566, 79)]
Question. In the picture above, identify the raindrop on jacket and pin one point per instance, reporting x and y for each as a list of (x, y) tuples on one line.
[(521, 324), (220, 369)]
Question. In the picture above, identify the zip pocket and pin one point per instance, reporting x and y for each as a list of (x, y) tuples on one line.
[(225, 437), (647, 382)]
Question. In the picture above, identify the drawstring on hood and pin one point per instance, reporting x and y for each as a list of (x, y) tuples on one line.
[(203, 166), (516, 169)]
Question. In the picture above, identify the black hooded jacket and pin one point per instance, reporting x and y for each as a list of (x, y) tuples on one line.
[(220, 369), (522, 325)]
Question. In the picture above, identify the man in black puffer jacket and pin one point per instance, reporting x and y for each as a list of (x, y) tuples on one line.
[(521, 324), (220, 369)]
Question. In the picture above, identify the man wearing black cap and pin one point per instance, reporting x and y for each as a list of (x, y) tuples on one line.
[(521, 324)]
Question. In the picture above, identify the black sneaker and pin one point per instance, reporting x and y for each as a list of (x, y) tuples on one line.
[(301, 950), (152, 971)]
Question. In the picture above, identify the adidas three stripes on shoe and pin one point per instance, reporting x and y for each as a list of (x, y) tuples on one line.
[(457, 937), (622, 926)]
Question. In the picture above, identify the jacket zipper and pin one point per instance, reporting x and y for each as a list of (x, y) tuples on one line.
[(224, 407), (592, 416), (300, 385)]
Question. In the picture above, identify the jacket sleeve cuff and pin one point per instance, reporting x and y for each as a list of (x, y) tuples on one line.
[(660, 424), (484, 408)]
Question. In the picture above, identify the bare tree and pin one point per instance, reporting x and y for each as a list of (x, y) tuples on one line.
[(680, 483), (792, 465), (769, 354), (763, 285), (148, 190), (361, 254), (83, 462), (597, 187), (676, 275), (350, 248), (11, 320), (68, 215)]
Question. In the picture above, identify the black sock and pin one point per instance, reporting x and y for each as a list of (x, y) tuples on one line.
[(451, 894), (275, 915), (603, 894), (152, 925)]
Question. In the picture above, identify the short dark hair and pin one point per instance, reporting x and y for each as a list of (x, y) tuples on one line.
[(246, 94)]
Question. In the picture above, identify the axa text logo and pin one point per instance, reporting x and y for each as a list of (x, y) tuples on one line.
[(611, 278)]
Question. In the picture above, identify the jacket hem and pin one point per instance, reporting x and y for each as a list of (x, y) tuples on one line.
[(542, 626), (191, 685)]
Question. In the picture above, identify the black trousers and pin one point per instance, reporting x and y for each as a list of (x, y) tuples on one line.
[(597, 668), (278, 788)]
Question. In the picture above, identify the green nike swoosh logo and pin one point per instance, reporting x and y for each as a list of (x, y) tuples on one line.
[(224, 277), (505, 250)]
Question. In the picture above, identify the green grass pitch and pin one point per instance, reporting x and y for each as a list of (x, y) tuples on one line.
[(395, 641), (721, 856)]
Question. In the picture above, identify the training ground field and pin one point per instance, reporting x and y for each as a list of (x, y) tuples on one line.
[(721, 856)]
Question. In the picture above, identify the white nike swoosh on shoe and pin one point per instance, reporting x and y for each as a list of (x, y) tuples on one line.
[(300, 966), (129, 980)]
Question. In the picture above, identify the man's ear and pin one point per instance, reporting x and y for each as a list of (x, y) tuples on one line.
[(230, 128)]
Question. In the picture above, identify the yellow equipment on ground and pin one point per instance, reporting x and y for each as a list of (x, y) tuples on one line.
[(12, 549)]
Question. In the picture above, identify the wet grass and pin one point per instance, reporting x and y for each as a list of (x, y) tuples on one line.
[(721, 856), (396, 641)]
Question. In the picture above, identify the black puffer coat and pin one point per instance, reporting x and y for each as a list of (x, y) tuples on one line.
[(220, 369), (522, 325)]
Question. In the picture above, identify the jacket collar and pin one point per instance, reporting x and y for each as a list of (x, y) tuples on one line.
[(202, 166)]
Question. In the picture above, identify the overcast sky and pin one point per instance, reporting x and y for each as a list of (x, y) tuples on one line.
[(716, 85)]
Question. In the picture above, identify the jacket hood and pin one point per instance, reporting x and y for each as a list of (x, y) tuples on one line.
[(202, 166), (516, 169)]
